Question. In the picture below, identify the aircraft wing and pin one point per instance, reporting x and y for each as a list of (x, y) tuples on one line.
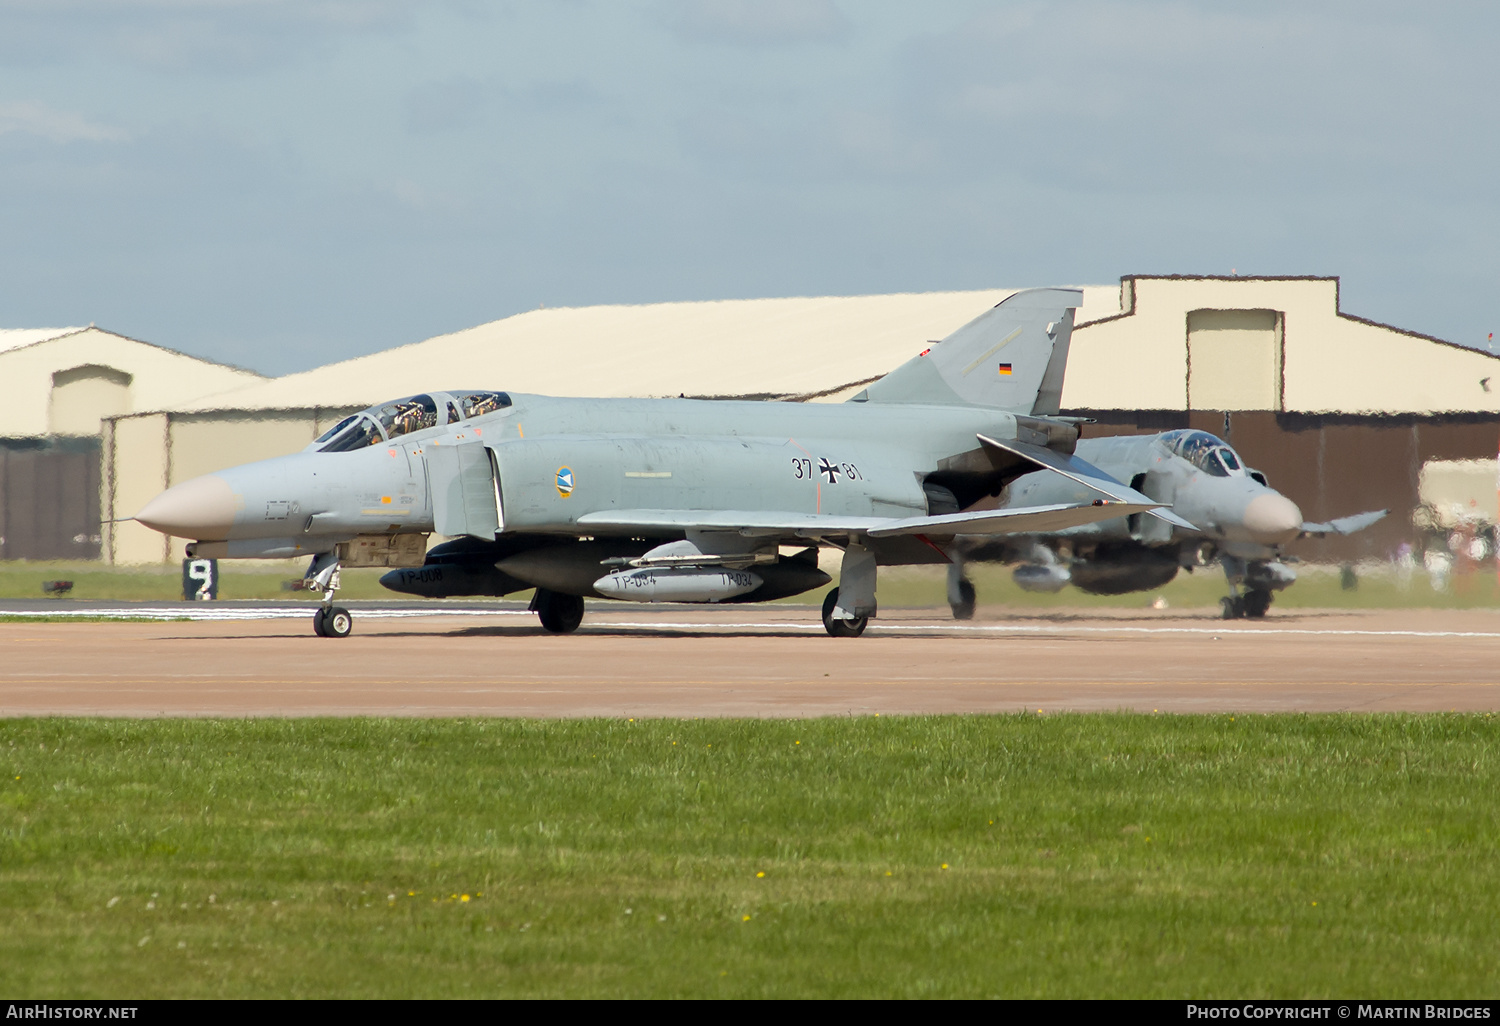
[(1088, 475), (1344, 525), (1025, 520)]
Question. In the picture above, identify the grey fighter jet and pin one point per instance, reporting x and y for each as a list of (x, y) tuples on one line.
[(1235, 517), (672, 500)]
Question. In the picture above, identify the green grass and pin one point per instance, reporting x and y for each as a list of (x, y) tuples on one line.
[(22, 579), (1021, 855), (920, 586), (1317, 587)]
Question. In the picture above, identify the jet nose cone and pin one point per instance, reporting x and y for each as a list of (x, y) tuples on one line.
[(1272, 519), (201, 508)]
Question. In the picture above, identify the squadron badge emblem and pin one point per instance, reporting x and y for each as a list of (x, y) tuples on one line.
[(565, 481)]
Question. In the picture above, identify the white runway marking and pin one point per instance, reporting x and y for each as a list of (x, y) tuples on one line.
[(284, 613), (250, 613), (1049, 629)]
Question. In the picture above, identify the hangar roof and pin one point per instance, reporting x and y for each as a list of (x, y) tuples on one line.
[(63, 380), (811, 347), (1168, 342), (15, 338)]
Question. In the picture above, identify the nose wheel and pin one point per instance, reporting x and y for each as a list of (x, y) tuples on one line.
[(332, 622)]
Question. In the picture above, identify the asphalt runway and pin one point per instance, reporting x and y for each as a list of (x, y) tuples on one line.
[(410, 659)]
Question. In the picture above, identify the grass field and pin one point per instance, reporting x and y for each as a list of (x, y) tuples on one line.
[(1319, 587), (948, 856)]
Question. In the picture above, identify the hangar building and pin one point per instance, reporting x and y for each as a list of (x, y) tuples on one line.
[(60, 384), (1340, 412)]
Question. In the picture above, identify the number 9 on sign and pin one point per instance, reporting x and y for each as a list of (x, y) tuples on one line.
[(200, 579)]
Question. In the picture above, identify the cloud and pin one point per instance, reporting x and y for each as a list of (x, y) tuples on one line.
[(757, 22), (444, 106), (59, 126), (217, 36)]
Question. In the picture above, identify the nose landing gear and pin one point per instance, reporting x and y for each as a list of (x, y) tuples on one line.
[(330, 621)]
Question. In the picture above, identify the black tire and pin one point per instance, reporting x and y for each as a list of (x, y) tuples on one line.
[(560, 614), (337, 623), (318, 623), (1234, 607), (964, 608), (1256, 603), (840, 628)]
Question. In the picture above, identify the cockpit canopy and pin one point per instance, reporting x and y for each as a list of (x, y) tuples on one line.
[(402, 416), (1207, 452)]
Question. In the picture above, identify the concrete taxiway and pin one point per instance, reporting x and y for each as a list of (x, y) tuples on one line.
[(411, 659)]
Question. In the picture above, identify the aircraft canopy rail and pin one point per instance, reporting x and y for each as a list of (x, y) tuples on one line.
[(1207, 452)]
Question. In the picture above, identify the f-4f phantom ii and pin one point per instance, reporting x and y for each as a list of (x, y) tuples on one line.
[(1234, 515), (673, 500)]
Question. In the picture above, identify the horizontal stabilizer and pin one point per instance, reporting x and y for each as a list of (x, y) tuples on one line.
[(1086, 474), (1344, 525), (1026, 520)]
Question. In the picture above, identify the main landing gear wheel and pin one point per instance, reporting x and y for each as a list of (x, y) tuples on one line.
[(560, 614), (1253, 604), (332, 622), (841, 628), (963, 609), (1256, 603)]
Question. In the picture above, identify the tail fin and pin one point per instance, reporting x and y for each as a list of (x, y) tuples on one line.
[(1012, 357)]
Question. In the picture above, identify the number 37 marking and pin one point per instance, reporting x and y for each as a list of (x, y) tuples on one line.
[(803, 470)]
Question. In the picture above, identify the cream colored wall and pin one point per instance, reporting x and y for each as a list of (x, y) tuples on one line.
[(137, 467), (1349, 367), (160, 378), (84, 396), (1134, 361), (203, 444), (1330, 363)]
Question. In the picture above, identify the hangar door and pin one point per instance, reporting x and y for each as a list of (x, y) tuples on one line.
[(1234, 359), (49, 498)]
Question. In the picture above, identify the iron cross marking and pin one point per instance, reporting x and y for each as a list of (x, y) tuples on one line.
[(829, 470)]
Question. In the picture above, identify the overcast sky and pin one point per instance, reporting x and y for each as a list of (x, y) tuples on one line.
[(278, 185)]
